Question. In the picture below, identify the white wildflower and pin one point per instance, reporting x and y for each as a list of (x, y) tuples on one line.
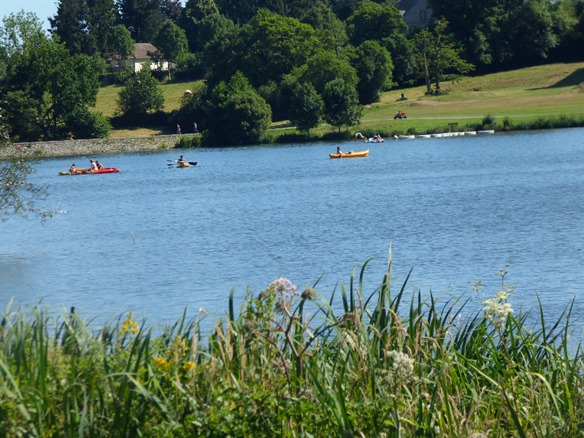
[(498, 308), (402, 366)]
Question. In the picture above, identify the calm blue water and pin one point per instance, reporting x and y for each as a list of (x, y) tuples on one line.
[(155, 240)]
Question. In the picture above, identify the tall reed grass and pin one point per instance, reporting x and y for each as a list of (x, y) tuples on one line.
[(286, 364)]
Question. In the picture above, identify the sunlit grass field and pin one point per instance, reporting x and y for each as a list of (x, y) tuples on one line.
[(520, 96)]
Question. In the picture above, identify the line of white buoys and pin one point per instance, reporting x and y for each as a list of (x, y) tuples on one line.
[(444, 134)]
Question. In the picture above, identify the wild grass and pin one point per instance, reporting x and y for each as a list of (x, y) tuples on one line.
[(287, 364)]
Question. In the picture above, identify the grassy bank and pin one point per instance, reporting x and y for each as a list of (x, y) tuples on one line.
[(287, 365), (531, 98)]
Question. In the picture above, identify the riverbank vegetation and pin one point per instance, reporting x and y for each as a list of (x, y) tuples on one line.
[(384, 363), (542, 97)]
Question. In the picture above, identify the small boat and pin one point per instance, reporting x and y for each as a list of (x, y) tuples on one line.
[(182, 164), (375, 140), (356, 154), (85, 171)]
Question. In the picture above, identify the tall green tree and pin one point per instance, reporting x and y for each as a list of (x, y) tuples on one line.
[(341, 104), (438, 54), (122, 44), (375, 22), (504, 32), (143, 18), (236, 113), (196, 19), (324, 67), (140, 95), (374, 69), (222, 50), (306, 107), (16, 30), (171, 41), (71, 24), (272, 45), (54, 83), (102, 16)]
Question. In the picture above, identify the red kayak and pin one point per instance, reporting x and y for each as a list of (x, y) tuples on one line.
[(87, 172)]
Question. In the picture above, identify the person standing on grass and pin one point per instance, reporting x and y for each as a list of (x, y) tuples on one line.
[(178, 129), (195, 128)]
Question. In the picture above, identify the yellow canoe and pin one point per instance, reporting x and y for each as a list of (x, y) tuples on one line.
[(356, 154)]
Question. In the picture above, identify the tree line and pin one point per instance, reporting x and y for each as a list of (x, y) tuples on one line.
[(260, 60)]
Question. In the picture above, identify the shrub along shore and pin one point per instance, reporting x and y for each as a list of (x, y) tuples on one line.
[(94, 147), (287, 364)]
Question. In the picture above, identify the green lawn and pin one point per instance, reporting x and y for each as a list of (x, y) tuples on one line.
[(521, 95)]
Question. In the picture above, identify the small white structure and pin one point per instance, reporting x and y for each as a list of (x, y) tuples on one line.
[(143, 55)]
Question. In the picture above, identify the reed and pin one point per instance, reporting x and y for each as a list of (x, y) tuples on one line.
[(293, 363)]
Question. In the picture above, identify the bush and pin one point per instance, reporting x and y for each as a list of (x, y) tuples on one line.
[(190, 141), (86, 124), (488, 122)]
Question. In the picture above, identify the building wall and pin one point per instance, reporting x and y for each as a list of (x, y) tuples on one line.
[(418, 14)]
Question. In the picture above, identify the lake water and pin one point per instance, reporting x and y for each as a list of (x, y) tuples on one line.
[(155, 240)]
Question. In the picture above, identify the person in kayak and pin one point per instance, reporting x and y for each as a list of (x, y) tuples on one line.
[(339, 152), (180, 160), (93, 165), (98, 164), (73, 169)]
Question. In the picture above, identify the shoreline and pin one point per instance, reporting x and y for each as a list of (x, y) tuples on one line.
[(94, 147)]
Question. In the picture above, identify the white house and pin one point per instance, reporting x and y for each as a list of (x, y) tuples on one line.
[(142, 56), (416, 13)]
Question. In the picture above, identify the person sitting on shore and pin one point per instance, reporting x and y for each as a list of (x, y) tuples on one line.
[(400, 115), (359, 136)]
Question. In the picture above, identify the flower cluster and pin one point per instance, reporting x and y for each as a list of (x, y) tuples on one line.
[(175, 356), (496, 309), (402, 367), (129, 325), (285, 292)]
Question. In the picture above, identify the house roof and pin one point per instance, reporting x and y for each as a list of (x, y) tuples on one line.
[(141, 50), (405, 5)]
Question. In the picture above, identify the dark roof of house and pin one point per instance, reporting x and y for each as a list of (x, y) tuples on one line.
[(141, 50)]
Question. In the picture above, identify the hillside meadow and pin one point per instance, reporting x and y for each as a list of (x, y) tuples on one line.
[(518, 99)]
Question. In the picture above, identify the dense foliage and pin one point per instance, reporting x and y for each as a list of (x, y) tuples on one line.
[(274, 44), (288, 364), (18, 196)]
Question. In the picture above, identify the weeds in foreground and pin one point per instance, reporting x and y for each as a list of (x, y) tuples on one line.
[(287, 364)]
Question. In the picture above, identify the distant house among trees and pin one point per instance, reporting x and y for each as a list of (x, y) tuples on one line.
[(144, 54), (416, 13)]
